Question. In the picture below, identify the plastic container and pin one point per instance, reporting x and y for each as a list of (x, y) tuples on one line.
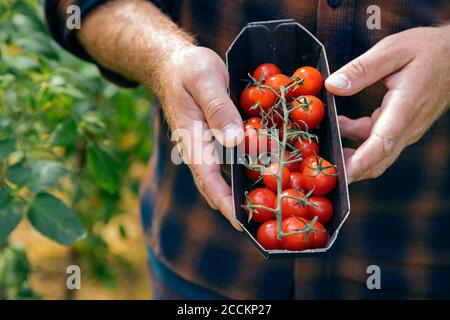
[(289, 45)]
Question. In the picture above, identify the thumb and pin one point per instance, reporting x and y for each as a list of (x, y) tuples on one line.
[(212, 96), (386, 57)]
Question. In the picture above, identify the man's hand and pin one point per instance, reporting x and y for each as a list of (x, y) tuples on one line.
[(414, 65), (136, 39), (194, 90)]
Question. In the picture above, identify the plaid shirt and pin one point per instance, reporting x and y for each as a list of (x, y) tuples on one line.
[(400, 221)]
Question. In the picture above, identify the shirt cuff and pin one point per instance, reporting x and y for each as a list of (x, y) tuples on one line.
[(56, 15)]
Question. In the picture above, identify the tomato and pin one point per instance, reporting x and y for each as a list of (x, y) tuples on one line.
[(308, 161), (296, 180), (293, 207), (306, 147), (265, 70), (255, 142), (296, 242), (293, 166), (320, 237), (309, 112), (319, 176), (253, 95), (323, 209), (312, 82), (261, 197), (267, 235), (253, 175), (255, 122), (277, 81), (270, 177)]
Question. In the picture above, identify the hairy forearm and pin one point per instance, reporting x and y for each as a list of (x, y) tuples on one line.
[(133, 38)]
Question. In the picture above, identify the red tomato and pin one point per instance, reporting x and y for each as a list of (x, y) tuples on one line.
[(296, 242), (253, 175), (306, 147), (255, 142), (294, 166), (254, 95), (267, 235), (307, 162), (311, 82), (270, 177), (319, 238), (256, 121), (319, 175), (293, 207), (265, 70), (253, 122), (323, 209), (296, 180), (309, 112), (277, 81), (261, 197)]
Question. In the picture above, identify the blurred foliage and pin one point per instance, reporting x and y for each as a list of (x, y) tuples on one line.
[(67, 141)]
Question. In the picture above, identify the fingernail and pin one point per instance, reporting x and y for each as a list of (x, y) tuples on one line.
[(232, 134), (338, 80), (236, 225), (349, 180)]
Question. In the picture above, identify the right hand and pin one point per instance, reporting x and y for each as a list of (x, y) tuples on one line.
[(192, 86)]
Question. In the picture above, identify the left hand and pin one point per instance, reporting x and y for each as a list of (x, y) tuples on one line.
[(414, 65)]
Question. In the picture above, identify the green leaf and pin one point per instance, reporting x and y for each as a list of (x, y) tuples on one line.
[(10, 214), (7, 146), (38, 175), (5, 197), (64, 134), (21, 63), (45, 174), (51, 217), (14, 267), (103, 168), (19, 174)]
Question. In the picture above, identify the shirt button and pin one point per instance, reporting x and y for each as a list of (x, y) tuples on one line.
[(334, 3)]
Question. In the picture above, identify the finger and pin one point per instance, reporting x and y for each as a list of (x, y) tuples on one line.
[(211, 183), (348, 152), (384, 139), (210, 93), (384, 58), (197, 150), (357, 129)]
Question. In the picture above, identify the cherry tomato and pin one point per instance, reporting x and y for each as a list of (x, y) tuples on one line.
[(309, 112), (293, 207), (270, 177), (293, 166), (296, 242), (253, 95), (262, 197), (267, 235), (257, 121), (277, 81), (306, 147), (308, 161), (319, 176), (312, 82), (253, 175), (319, 238), (255, 142), (296, 180), (323, 209), (265, 70)]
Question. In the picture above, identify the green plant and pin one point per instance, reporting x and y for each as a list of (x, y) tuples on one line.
[(67, 141)]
